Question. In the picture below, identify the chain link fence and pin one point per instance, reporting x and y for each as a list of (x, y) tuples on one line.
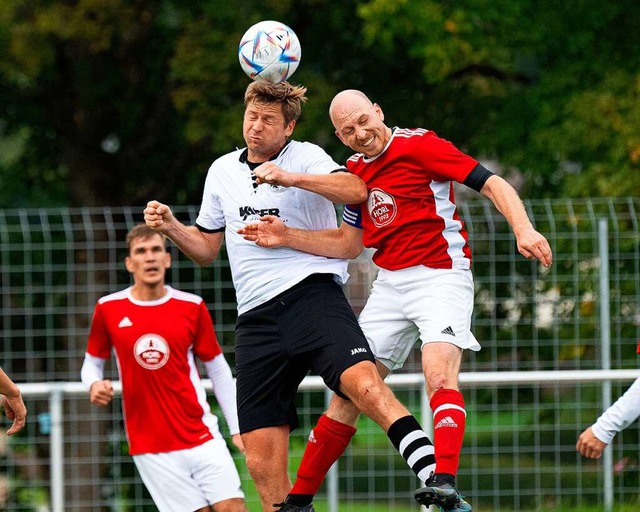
[(519, 451)]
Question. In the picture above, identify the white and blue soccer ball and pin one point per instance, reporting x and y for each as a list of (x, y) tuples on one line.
[(269, 51)]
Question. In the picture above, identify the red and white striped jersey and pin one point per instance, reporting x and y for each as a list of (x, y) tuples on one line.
[(164, 401), (410, 216)]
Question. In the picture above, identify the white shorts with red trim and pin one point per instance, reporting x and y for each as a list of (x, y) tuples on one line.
[(433, 305), (188, 480)]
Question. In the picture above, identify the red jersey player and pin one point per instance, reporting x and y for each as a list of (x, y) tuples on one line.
[(424, 289), (156, 332)]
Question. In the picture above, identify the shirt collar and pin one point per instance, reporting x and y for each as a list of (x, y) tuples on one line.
[(253, 165)]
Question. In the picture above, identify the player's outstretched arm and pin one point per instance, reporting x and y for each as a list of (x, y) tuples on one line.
[(337, 187), (343, 242), (11, 400), (531, 244), (200, 247)]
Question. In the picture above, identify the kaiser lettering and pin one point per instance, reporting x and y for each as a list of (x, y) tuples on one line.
[(247, 211)]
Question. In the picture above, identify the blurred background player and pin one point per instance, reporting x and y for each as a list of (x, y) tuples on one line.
[(424, 289), (156, 332), (293, 315), (625, 410), (11, 400)]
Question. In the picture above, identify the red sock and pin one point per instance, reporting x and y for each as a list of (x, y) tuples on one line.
[(449, 418), (327, 441)]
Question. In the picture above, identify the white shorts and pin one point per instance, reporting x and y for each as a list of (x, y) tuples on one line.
[(187, 480), (418, 303)]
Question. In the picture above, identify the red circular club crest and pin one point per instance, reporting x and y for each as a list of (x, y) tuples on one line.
[(151, 351), (382, 207)]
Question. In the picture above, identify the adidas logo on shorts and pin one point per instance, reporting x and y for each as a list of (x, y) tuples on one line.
[(449, 331)]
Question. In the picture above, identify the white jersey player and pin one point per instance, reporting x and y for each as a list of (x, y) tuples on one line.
[(293, 314)]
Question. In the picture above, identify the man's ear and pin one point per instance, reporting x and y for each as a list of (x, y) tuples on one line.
[(341, 139), (289, 129), (167, 259), (379, 111), (127, 264)]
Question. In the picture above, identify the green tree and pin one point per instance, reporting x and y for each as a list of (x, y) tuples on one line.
[(93, 98), (550, 89), (117, 101)]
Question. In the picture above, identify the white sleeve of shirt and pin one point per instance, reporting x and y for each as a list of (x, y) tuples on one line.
[(224, 388), (92, 370), (620, 415), (315, 159), (211, 214)]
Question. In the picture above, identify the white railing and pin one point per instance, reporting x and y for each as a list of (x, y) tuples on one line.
[(56, 392)]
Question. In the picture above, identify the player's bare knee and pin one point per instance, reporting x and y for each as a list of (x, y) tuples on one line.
[(343, 411), (370, 396), (257, 468), (437, 380)]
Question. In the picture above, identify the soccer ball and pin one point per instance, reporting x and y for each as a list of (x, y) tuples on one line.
[(269, 51)]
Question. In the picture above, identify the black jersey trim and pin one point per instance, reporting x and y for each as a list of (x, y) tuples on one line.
[(205, 230), (478, 177)]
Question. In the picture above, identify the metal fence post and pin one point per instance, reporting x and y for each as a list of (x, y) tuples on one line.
[(605, 343), (57, 450)]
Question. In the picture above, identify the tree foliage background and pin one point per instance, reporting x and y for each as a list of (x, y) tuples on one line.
[(109, 102), (115, 102)]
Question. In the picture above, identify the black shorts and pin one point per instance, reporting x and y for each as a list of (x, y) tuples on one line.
[(310, 327)]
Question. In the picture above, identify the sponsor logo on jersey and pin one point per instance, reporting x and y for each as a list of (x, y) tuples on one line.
[(247, 211), (151, 351), (382, 207), (277, 188), (358, 350), (312, 438), (446, 422), (125, 322)]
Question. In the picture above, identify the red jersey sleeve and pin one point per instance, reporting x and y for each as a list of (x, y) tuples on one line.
[(99, 341), (206, 345), (442, 160)]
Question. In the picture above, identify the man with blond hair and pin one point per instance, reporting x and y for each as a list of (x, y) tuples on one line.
[(293, 314), (424, 289)]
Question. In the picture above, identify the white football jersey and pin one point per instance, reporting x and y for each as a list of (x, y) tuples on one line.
[(232, 200)]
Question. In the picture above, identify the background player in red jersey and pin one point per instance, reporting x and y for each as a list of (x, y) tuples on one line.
[(424, 289), (11, 400), (156, 332)]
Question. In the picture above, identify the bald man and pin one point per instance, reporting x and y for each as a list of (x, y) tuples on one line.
[(424, 290)]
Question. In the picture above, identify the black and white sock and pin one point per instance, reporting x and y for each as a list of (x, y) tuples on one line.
[(414, 445)]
